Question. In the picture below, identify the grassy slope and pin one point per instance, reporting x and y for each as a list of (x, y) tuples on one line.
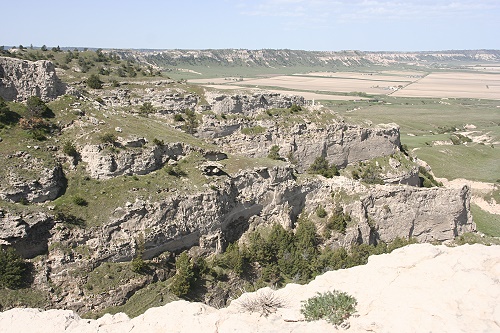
[(487, 223), (426, 119)]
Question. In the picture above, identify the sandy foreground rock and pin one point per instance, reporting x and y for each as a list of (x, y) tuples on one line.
[(419, 288)]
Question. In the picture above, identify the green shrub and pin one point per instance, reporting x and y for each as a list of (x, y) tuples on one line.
[(108, 138), (94, 81), (191, 121), (158, 142), (338, 221), (68, 218), (174, 170), (38, 134), (12, 269), (184, 276), (37, 108), (178, 117), (70, 149), (146, 108), (320, 166), (295, 108), (274, 153), (427, 179), (77, 200), (335, 307), (321, 212), (7, 117)]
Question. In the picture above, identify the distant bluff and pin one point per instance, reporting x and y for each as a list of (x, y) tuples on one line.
[(271, 58)]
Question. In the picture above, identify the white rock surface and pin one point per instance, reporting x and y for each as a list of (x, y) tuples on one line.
[(419, 288)]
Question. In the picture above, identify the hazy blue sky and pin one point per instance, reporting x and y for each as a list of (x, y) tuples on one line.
[(369, 25)]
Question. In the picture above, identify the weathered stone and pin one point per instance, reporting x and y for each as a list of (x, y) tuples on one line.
[(20, 79), (339, 143), (32, 180), (103, 164), (251, 104)]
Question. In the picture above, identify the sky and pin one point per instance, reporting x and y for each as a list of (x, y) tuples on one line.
[(320, 25)]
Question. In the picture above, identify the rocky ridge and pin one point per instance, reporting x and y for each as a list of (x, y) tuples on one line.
[(419, 288), (211, 219), (279, 58), (20, 79)]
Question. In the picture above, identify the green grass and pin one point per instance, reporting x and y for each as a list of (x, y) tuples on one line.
[(488, 224), (475, 162), (426, 119), (475, 238), (26, 297), (154, 295)]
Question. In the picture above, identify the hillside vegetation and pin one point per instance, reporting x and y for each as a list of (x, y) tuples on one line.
[(134, 187)]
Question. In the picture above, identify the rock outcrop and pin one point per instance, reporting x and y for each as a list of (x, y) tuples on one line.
[(382, 213), (418, 288), (212, 218), (248, 105), (104, 164), (28, 233), (20, 79), (31, 179), (215, 216), (339, 143), (165, 100)]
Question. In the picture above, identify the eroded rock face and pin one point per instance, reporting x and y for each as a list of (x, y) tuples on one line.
[(20, 79), (211, 218), (31, 179), (104, 164), (383, 213), (250, 104), (272, 195), (165, 100), (339, 143), (28, 233)]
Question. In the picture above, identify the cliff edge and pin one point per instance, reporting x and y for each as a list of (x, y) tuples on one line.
[(418, 288)]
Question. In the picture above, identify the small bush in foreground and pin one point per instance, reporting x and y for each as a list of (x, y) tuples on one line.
[(335, 307), (264, 302)]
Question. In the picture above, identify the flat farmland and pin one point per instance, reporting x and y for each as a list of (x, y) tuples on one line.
[(306, 94), (454, 85), (399, 76), (326, 84)]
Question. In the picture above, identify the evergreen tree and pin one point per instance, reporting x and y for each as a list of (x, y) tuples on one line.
[(184, 276), (12, 269), (191, 122), (94, 82)]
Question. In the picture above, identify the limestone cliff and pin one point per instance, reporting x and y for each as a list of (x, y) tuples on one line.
[(20, 79), (250, 104), (338, 142)]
